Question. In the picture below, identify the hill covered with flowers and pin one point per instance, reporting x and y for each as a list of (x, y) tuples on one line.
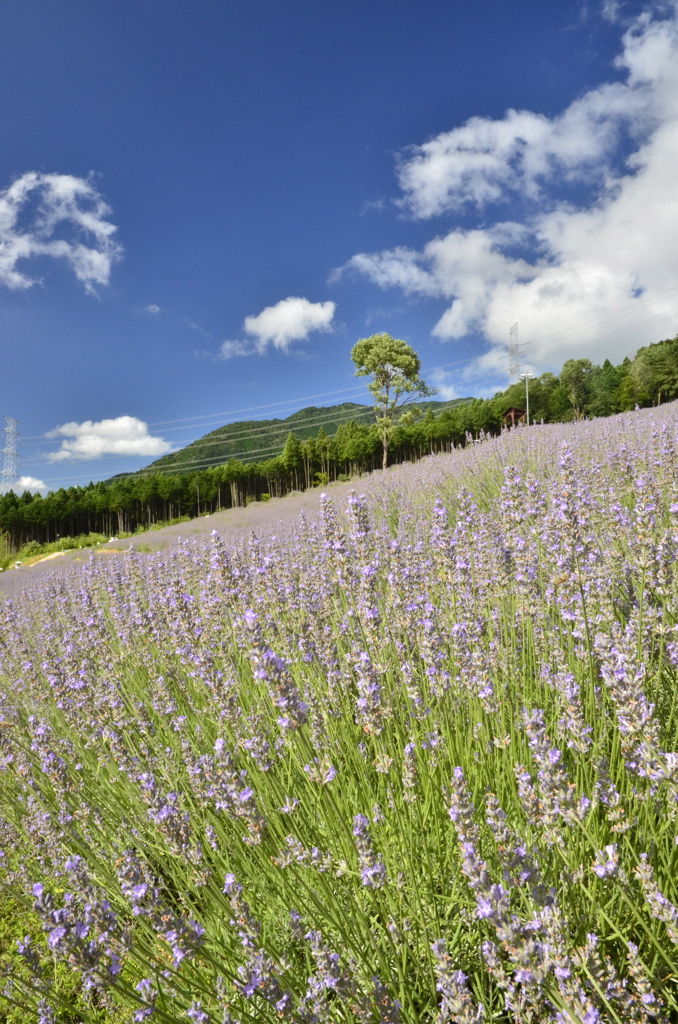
[(412, 760)]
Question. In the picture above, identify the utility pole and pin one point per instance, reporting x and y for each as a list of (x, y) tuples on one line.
[(526, 377), (10, 475), (514, 355)]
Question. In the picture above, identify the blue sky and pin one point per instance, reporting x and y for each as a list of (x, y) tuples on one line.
[(204, 205)]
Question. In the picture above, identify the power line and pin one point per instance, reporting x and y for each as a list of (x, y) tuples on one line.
[(518, 346), (278, 426), (41, 439), (206, 463), (609, 317), (270, 427), (247, 453), (195, 463), (175, 468), (605, 318), (514, 355)]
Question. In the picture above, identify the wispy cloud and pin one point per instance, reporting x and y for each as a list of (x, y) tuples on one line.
[(197, 328), (374, 205), (235, 348), (596, 277), (441, 381), (292, 319), (124, 435), (153, 309), (60, 216), (380, 314), (610, 10)]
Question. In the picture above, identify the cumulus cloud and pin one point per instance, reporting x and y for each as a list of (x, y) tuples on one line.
[(153, 309), (484, 161), (24, 483), (290, 320), (30, 483), (595, 278), (56, 215), (124, 435)]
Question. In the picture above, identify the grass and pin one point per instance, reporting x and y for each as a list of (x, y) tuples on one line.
[(33, 551)]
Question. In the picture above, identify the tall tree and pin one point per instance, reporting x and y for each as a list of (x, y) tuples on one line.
[(394, 368), (292, 457), (655, 369), (576, 377)]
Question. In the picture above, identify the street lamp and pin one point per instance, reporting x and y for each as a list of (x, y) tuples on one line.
[(526, 377)]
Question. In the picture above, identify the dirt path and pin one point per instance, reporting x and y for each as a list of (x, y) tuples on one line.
[(261, 517)]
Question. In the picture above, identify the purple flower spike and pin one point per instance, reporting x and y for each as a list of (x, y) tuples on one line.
[(372, 870)]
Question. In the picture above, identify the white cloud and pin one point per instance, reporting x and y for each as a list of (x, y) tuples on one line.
[(124, 435), (34, 207), (440, 379), (198, 328), (30, 483), (24, 483), (610, 10), (153, 309), (291, 319), (595, 280), (229, 349), (484, 160)]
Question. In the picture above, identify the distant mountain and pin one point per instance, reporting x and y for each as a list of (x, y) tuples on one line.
[(253, 440)]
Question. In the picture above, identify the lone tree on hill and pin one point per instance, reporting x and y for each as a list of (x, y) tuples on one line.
[(394, 368)]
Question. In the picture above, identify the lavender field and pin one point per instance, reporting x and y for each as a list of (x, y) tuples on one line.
[(413, 760)]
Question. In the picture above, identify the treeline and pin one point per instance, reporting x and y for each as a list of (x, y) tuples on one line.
[(126, 504)]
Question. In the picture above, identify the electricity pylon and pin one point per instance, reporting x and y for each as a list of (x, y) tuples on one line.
[(10, 466)]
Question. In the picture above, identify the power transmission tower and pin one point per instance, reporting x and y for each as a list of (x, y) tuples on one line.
[(514, 355), (10, 475)]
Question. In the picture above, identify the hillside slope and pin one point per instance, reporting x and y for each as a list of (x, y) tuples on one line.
[(252, 440)]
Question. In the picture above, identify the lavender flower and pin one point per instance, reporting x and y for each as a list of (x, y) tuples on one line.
[(369, 709), (660, 907), (648, 1006), (183, 935), (606, 863), (409, 776), (216, 779), (172, 823), (86, 932), (461, 809), (372, 870), (45, 1013), (148, 993), (273, 671), (557, 795), (196, 1013), (456, 1002)]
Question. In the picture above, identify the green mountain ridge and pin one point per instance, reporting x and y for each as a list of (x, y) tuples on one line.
[(254, 440)]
